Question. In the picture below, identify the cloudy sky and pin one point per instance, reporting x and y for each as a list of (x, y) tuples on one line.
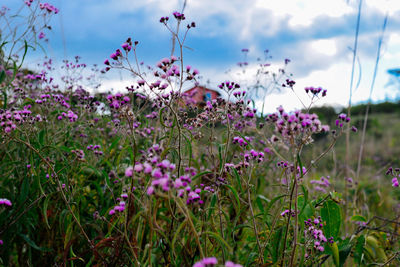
[(317, 36)]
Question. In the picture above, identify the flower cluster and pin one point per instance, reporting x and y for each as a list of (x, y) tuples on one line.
[(48, 7), (288, 213), (315, 91), (342, 118), (118, 100), (53, 99), (295, 128), (115, 56), (232, 264), (239, 94), (313, 230), (163, 178), (395, 173), (164, 19), (29, 2), (212, 261), (179, 16), (253, 155), (41, 35), (206, 262), (191, 74), (95, 149), (80, 155), (168, 69), (121, 205), (228, 86), (72, 117), (241, 141), (5, 201), (9, 119), (288, 83), (322, 184)]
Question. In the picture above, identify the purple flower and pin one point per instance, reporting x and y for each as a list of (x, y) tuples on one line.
[(150, 190), (129, 171), (206, 262), (157, 173), (138, 167), (395, 182), (5, 201), (178, 16), (126, 47), (232, 264), (284, 212)]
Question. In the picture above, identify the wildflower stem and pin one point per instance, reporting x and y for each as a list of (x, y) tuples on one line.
[(185, 212), (59, 186), (254, 225)]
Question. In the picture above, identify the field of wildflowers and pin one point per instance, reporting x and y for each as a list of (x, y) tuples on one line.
[(142, 177)]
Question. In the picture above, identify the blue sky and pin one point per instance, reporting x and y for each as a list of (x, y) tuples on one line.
[(316, 35)]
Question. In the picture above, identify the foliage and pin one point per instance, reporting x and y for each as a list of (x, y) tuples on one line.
[(145, 177)]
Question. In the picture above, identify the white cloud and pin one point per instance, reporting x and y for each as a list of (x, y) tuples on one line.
[(390, 6), (324, 46), (303, 13)]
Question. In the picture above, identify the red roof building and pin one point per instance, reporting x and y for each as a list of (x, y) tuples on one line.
[(199, 95)]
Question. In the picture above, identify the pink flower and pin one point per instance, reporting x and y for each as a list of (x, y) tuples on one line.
[(138, 167), (147, 168), (157, 173), (129, 171), (150, 190), (5, 201), (232, 264), (206, 262)]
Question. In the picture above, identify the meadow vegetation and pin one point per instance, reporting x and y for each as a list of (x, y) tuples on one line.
[(144, 177)]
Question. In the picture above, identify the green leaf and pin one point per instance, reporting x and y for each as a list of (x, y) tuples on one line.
[(359, 249), (200, 174), (275, 199), (41, 137), (32, 243), (24, 55), (220, 149), (114, 143), (331, 214), (45, 205), (335, 253), (238, 180), (344, 250), (300, 165), (236, 195), (305, 198), (212, 206), (223, 243), (24, 190), (189, 146), (276, 244), (358, 218), (259, 200), (181, 226), (2, 76), (68, 235)]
